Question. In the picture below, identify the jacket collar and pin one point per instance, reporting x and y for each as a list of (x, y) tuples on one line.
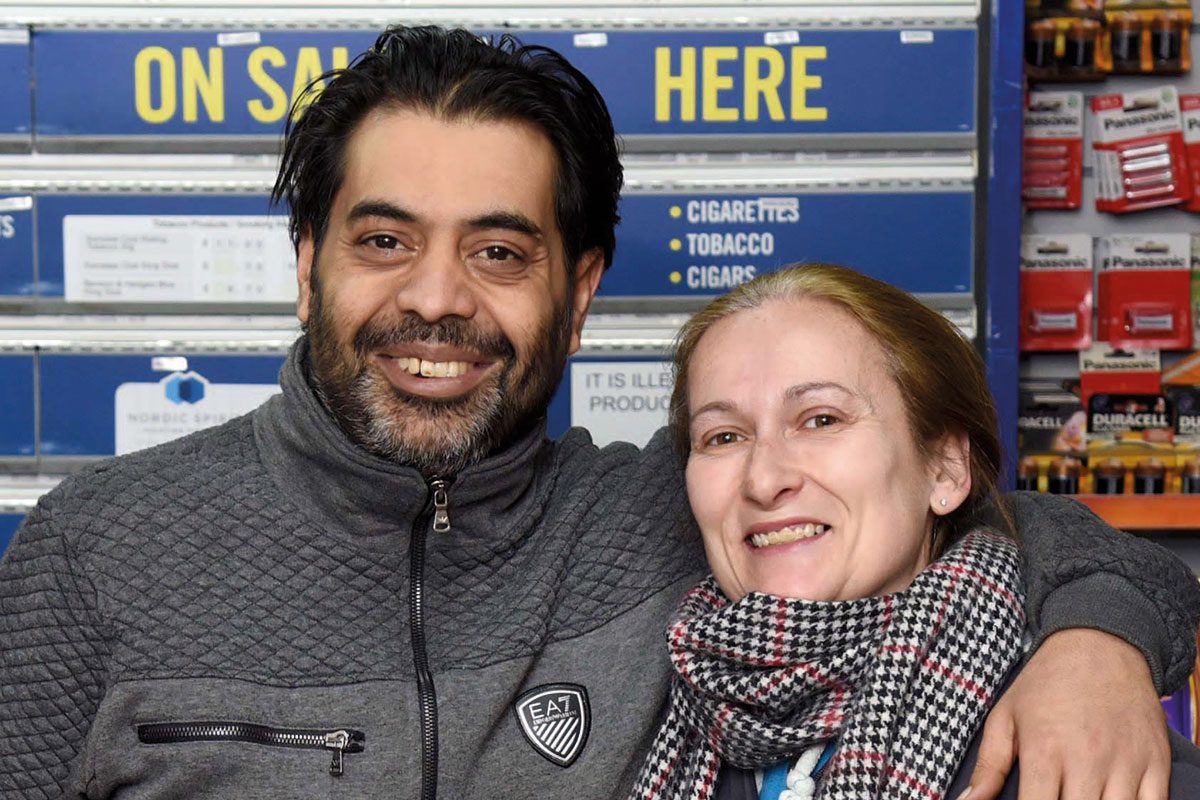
[(342, 487)]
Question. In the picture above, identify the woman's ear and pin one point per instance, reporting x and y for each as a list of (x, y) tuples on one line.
[(950, 471)]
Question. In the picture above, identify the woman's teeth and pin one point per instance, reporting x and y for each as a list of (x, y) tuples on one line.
[(792, 533), (433, 369)]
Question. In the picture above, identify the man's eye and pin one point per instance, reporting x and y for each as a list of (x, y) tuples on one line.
[(497, 252), (383, 241)]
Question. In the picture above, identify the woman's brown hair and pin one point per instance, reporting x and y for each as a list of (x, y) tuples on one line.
[(940, 375)]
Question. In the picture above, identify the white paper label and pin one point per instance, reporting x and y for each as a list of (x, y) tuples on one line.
[(773, 38), (240, 38), (916, 37), (169, 363), (620, 401), (16, 203), (591, 39), (14, 36), (149, 414), (178, 259)]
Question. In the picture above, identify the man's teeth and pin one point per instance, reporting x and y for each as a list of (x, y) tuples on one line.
[(791, 533), (433, 369)]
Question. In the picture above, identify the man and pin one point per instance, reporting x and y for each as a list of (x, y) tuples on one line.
[(386, 582)]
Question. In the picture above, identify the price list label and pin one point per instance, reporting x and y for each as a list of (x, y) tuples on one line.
[(178, 259)]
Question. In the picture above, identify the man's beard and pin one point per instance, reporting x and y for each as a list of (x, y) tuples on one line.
[(437, 436)]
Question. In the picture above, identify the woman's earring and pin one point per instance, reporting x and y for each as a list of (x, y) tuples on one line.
[(942, 502)]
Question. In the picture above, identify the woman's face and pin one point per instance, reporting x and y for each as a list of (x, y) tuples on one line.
[(803, 473)]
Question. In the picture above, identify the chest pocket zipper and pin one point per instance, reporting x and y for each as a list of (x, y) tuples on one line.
[(339, 741)]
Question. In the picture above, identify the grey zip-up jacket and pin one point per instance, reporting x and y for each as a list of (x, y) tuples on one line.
[(234, 614)]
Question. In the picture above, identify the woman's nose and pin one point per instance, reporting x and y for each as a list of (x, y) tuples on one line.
[(773, 472)]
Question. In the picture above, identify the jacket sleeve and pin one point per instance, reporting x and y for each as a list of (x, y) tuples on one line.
[(52, 658), (1081, 573)]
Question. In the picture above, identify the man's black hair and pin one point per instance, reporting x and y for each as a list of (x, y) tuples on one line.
[(455, 75)]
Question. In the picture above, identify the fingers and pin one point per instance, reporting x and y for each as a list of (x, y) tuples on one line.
[(1156, 781), (1041, 777), (997, 748)]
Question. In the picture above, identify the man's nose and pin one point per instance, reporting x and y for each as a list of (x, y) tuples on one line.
[(439, 286), (772, 473)]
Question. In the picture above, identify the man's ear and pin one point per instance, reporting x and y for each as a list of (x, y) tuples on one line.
[(588, 270), (304, 266), (950, 471)]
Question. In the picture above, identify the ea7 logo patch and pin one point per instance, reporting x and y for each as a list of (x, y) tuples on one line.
[(556, 720)]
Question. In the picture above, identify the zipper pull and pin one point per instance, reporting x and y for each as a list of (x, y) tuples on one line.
[(338, 742), (441, 506)]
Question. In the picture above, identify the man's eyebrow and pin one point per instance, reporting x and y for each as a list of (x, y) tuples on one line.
[(506, 220), (382, 209)]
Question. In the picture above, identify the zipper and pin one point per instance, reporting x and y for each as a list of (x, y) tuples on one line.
[(436, 516), (340, 741)]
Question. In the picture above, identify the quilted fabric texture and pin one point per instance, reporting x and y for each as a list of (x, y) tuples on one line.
[(200, 558), (188, 561)]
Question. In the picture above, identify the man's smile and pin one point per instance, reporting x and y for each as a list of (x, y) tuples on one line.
[(434, 371)]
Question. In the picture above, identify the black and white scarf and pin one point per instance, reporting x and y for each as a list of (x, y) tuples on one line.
[(903, 681)]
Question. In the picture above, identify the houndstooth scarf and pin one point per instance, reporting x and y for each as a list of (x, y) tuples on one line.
[(903, 680)]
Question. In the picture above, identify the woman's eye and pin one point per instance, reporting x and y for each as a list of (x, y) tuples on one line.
[(724, 437), (821, 421)]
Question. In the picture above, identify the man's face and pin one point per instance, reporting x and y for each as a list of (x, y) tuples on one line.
[(438, 309)]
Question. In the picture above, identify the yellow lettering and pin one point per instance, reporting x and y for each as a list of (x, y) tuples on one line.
[(665, 83), (341, 58), (802, 82), (274, 92), (713, 82), (308, 69), (143, 85), (207, 85), (764, 86)]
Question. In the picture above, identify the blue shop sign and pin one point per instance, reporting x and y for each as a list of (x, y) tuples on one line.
[(16, 102), (707, 244), (92, 404), (162, 84), (8, 526), (17, 399), (17, 276)]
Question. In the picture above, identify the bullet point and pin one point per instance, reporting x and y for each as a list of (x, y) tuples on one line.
[(676, 277), (676, 244), (676, 212)]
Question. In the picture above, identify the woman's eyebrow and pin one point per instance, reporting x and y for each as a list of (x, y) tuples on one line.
[(797, 391), (714, 406)]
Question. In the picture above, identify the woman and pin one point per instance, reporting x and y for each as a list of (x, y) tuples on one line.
[(839, 438)]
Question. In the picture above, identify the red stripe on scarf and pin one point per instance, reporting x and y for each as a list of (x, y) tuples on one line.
[(996, 589), (842, 760), (714, 742), (964, 682), (653, 791)]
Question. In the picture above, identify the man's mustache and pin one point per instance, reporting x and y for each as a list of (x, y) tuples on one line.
[(451, 331)]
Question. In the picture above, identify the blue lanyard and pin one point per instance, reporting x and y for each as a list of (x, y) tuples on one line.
[(775, 778)]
